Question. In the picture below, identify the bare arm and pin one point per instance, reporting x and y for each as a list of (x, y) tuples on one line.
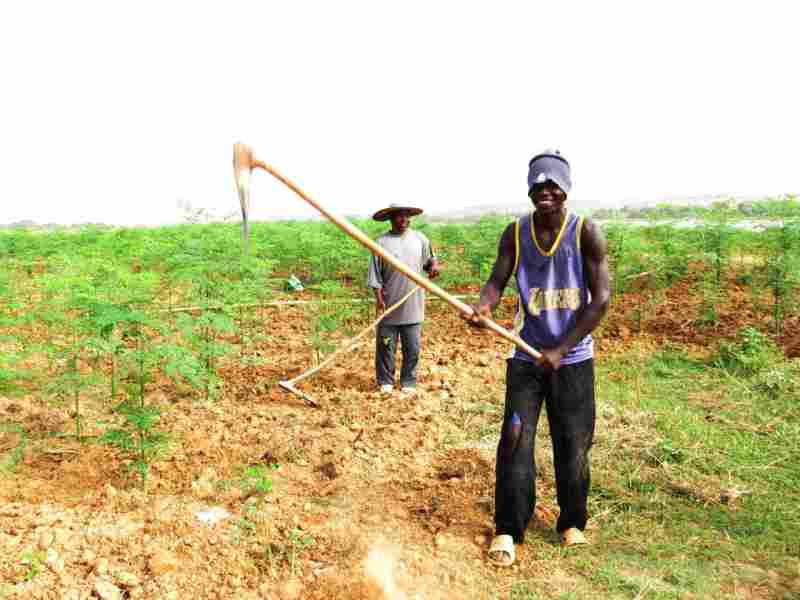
[(432, 266), (492, 291), (375, 281), (380, 302)]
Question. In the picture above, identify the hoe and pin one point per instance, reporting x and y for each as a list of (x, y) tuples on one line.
[(243, 164), (354, 342)]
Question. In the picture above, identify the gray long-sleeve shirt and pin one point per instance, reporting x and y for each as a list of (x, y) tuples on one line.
[(414, 249)]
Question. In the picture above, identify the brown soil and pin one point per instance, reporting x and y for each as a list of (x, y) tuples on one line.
[(374, 497)]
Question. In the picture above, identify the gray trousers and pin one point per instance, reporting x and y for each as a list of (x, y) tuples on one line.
[(386, 347)]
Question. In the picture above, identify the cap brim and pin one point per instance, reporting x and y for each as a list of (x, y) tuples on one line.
[(386, 213), (553, 177)]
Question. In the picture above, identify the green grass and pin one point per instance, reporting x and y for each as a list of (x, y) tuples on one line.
[(663, 456), (660, 464)]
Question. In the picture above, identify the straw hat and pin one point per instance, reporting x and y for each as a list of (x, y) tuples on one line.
[(385, 214)]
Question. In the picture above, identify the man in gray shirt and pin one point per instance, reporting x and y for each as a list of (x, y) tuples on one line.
[(412, 248)]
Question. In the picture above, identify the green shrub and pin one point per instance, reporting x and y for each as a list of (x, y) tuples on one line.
[(775, 381), (749, 354)]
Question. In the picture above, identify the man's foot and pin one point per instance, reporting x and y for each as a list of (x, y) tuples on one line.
[(501, 552), (387, 388), (573, 537), (408, 391)]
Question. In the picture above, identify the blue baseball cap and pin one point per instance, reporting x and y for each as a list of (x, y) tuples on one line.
[(549, 166)]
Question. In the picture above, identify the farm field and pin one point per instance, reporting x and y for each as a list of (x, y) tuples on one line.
[(146, 450)]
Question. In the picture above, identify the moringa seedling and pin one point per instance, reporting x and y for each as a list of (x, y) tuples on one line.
[(138, 435), (298, 542), (12, 458), (34, 564)]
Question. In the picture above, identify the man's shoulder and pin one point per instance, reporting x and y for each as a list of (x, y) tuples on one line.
[(388, 240), (410, 236), (592, 239), (510, 230), (517, 224)]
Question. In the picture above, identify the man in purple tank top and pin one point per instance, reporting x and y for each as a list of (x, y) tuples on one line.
[(561, 268)]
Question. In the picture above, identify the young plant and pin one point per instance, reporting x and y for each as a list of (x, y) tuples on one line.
[(616, 234), (33, 563), (244, 292), (298, 542), (749, 354), (288, 552), (137, 435), (782, 272), (331, 315), (207, 263), (73, 378), (482, 249), (11, 374), (71, 383), (245, 526), (675, 254), (200, 334), (105, 321), (10, 461), (715, 245)]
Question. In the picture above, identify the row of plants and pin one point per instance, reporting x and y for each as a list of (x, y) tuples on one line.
[(718, 256), (81, 278), (315, 251), (104, 314), (782, 207), (94, 330)]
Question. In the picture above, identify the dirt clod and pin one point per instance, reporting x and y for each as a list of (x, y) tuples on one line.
[(291, 590), (452, 473), (105, 590), (269, 458), (162, 561), (329, 470)]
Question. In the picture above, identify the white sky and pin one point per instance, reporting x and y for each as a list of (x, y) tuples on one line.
[(113, 111)]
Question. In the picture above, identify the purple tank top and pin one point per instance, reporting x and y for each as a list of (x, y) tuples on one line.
[(552, 289)]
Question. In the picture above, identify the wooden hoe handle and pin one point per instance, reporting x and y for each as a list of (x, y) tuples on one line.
[(421, 281)]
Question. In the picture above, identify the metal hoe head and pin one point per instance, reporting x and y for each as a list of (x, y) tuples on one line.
[(287, 385), (243, 163)]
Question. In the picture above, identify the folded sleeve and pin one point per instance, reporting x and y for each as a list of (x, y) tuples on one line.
[(374, 275), (427, 252)]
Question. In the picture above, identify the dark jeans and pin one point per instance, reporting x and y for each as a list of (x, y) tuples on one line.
[(386, 347), (568, 394)]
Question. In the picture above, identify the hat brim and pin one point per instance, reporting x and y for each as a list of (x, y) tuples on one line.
[(386, 213)]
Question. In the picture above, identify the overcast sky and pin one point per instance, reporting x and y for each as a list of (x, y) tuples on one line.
[(115, 111)]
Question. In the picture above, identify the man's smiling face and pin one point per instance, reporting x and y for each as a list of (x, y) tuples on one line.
[(548, 198)]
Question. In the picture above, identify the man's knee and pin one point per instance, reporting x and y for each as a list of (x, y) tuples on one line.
[(411, 347), (519, 472), (573, 453)]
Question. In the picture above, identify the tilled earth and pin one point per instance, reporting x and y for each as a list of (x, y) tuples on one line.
[(371, 496)]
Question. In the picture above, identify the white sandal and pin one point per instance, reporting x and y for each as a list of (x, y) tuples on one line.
[(501, 552), (573, 537)]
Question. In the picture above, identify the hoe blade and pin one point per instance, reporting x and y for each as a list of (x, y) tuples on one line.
[(242, 168)]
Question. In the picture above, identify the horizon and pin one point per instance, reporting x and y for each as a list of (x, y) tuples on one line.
[(201, 216)]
